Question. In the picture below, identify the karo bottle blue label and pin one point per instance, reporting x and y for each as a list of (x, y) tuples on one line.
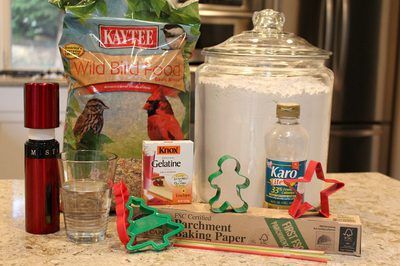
[(276, 191)]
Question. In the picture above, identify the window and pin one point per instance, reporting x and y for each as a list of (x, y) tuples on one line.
[(30, 34)]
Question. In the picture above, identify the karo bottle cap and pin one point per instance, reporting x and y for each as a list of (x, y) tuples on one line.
[(288, 110), (41, 101)]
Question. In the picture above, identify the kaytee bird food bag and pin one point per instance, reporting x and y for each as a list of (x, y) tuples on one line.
[(127, 66)]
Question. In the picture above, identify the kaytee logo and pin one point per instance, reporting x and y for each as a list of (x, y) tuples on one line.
[(128, 36), (167, 150)]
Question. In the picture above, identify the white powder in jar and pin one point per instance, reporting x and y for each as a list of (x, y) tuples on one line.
[(233, 115), (282, 86)]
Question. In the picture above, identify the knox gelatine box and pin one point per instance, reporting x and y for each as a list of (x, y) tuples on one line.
[(167, 172)]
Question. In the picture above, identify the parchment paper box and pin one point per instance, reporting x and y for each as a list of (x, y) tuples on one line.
[(340, 234)]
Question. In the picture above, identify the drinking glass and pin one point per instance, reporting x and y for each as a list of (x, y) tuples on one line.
[(86, 183)]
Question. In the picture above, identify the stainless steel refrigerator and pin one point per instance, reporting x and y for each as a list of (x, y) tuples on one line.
[(363, 36)]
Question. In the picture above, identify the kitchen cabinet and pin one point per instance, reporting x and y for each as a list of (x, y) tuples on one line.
[(13, 134)]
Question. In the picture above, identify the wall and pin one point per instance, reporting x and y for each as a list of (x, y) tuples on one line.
[(12, 132)]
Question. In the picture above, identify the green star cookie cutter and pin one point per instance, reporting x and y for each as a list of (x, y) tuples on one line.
[(227, 205), (149, 220)]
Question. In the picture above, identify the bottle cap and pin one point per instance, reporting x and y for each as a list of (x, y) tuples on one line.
[(289, 110), (41, 101)]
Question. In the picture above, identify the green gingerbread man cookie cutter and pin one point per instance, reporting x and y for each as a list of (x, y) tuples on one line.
[(227, 205), (149, 219)]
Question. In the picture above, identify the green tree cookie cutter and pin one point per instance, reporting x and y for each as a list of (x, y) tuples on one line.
[(226, 205), (151, 219)]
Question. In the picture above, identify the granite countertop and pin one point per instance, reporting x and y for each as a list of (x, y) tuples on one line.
[(372, 196)]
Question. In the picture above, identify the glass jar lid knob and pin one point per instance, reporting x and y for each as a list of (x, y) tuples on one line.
[(268, 20)]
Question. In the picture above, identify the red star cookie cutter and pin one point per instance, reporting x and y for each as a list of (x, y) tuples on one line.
[(299, 207)]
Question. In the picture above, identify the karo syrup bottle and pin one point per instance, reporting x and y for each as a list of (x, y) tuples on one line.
[(286, 150)]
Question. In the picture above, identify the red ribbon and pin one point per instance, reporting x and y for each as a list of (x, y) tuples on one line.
[(121, 194)]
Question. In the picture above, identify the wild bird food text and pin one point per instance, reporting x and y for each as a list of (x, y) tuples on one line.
[(93, 68), (126, 68)]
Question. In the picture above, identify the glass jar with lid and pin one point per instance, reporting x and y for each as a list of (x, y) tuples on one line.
[(237, 89)]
